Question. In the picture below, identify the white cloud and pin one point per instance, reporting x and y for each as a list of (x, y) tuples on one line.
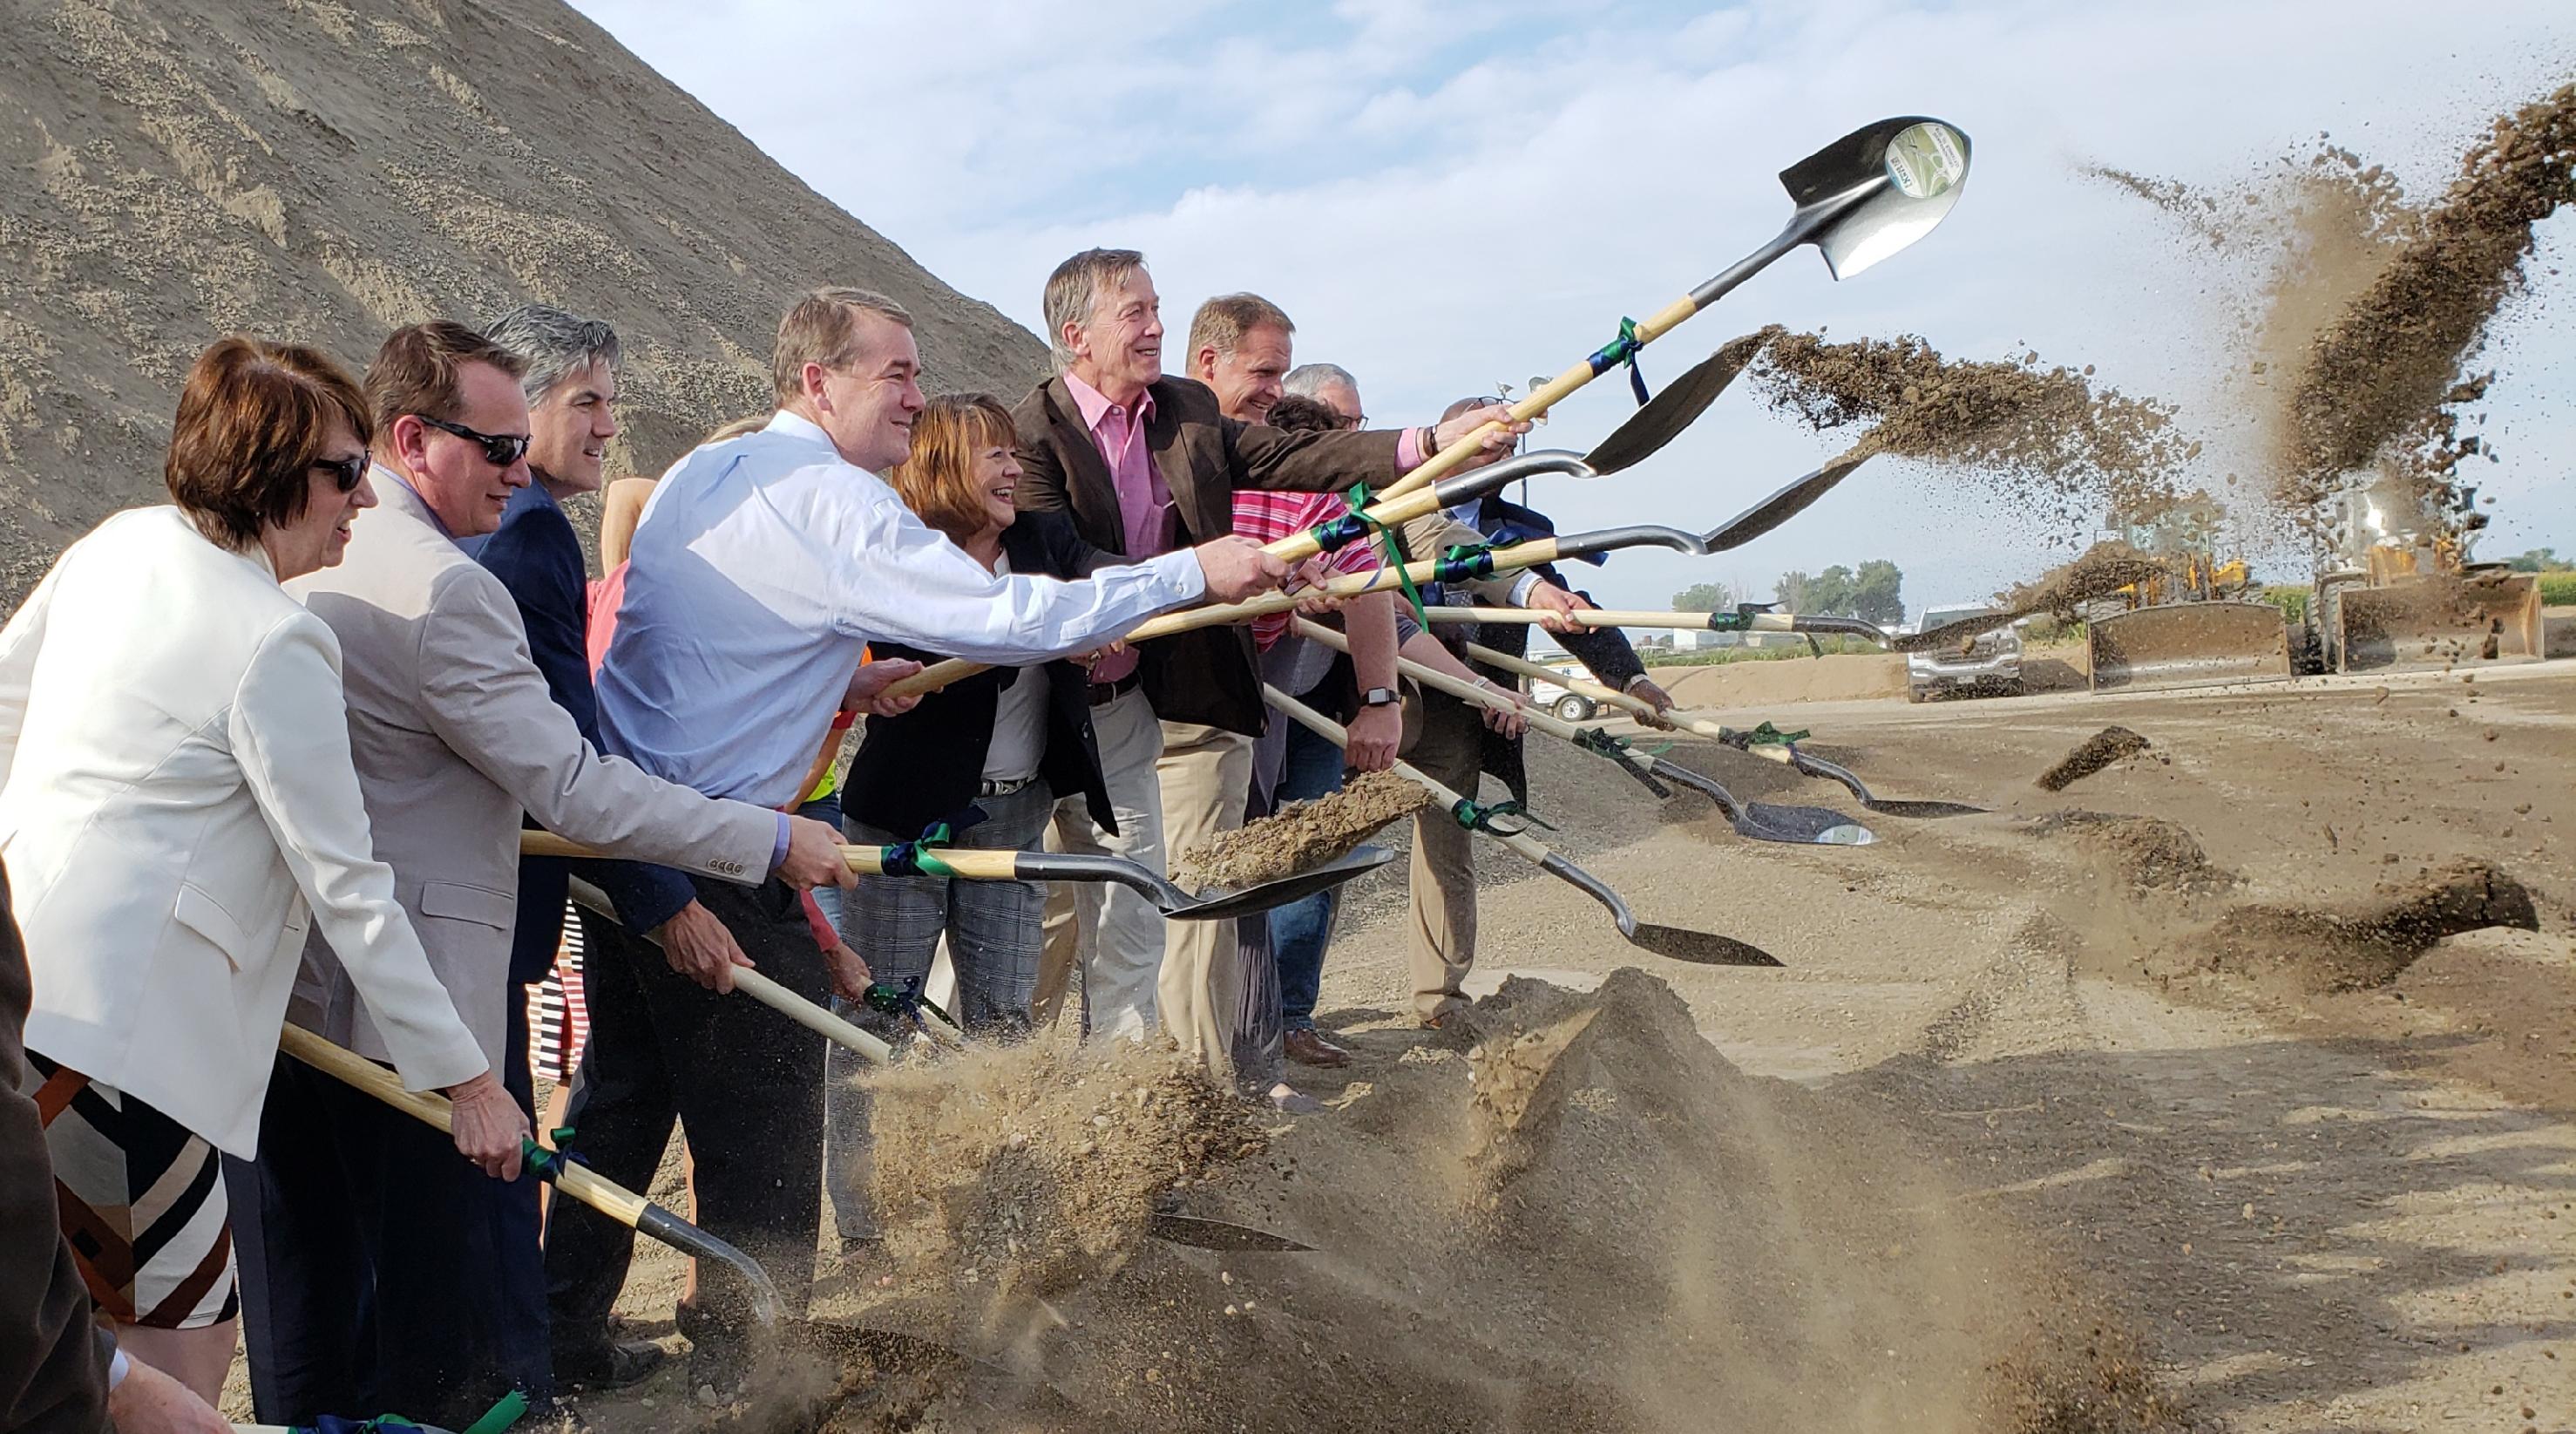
[(1446, 196)]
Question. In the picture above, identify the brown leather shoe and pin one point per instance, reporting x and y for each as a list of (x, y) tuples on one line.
[(1307, 1048)]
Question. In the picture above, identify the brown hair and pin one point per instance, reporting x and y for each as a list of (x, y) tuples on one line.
[(822, 327), (253, 417), (736, 428), (938, 480), (415, 371), (1299, 414), (1222, 322)]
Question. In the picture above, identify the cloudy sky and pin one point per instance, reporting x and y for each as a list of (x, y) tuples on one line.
[(1446, 197)]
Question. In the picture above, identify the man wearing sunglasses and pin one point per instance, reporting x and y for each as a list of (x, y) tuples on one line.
[(379, 1270)]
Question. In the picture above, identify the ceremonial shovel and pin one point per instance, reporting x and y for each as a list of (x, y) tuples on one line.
[(1762, 821), (1679, 943), (1860, 199), (1785, 753), (1743, 528), (576, 1180), (983, 864)]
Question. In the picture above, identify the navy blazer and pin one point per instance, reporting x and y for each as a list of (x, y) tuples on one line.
[(926, 765), (537, 557)]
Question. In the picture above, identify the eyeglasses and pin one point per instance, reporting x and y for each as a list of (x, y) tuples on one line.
[(499, 449), (347, 472)]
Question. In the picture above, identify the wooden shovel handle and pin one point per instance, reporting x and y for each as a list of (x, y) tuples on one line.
[(1522, 842), (1536, 402), (1511, 559), (579, 1181), (1637, 706), (973, 863)]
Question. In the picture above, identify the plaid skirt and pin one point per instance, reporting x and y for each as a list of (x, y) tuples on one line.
[(142, 1200)]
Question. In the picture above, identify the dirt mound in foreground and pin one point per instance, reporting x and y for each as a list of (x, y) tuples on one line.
[(1565, 1212), (2146, 853)]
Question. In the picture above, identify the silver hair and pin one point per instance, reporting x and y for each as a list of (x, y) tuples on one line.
[(554, 345), (1074, 288), (1309, 380)]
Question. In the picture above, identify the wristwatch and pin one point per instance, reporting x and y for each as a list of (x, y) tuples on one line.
[(1380, 697)]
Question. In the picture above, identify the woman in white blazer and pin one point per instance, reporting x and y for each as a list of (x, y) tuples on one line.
[(177, 805)]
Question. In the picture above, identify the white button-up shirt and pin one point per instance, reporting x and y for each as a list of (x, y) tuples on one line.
[(760, 568)]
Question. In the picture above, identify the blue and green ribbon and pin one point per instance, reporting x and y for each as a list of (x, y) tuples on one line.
[(915, 857), (1622, 350), (1478, 816)]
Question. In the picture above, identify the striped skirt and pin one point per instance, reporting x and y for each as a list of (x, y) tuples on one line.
[(142, 1201)]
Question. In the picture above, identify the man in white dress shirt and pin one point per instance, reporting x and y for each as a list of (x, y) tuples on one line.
[(761, 567)]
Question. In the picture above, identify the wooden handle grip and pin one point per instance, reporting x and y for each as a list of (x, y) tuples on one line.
[(974, 863), (1335, 733)]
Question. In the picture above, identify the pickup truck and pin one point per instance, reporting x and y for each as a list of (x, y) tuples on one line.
[(1552, 697), (1987, 665)]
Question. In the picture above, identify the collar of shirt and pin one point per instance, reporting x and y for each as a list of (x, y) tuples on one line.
[(796, 425), (387, 475), (1095, 406), (1467, 513)]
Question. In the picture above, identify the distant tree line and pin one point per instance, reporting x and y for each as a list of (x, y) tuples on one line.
[(2541, 560), (1873, 593)]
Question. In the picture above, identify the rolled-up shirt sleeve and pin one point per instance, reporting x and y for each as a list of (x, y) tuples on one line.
[(908, 584)]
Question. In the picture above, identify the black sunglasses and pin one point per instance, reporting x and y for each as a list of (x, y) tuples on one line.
[(499, 449), (347, 472)]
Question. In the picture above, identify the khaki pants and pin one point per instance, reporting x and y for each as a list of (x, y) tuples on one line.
[(1206, 777), (1115, 935), (1441, 935)]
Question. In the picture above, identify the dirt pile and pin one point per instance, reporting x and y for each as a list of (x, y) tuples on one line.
[(1302, 835), (1565, 1212), (325, 173), (2368, 944), (2046, 437), (2111, 744), (1011, 1173)]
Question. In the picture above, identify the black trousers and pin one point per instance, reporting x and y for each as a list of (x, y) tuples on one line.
[(744, 1082), (380, 1271)]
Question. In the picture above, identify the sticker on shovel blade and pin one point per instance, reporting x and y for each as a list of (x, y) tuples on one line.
[(1925, 159)]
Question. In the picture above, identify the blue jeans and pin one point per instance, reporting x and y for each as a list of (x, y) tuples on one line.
[(826, 809), (1300, 930)]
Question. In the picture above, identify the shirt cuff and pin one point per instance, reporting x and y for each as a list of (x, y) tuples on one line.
[(1180, 574), (1408, 450), (778, 849), (1521, 587)]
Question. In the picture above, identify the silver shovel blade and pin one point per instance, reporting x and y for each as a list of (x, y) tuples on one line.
[(1813, 826), (1703, 948), (1199, 1232)]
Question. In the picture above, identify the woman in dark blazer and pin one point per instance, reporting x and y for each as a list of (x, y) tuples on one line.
[(987, 757)]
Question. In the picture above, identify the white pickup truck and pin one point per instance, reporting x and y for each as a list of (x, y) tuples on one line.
[(1987, 665), (1553, 697)]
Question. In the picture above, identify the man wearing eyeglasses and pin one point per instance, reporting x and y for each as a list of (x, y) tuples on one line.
[(1331, 385), (377, 1272)]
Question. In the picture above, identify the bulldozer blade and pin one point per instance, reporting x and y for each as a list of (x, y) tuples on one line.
[(2438, 621), (2189, 644), (1201, 1233)]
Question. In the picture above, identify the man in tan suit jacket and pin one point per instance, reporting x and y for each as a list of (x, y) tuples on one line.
[(454, 735)]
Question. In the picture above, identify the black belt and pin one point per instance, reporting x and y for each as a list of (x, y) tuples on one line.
[(1104, 693)]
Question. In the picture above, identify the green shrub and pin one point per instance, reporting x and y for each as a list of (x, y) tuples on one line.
[(2292, 601), (2558, 589)]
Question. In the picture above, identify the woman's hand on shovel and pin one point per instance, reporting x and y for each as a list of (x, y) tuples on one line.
[(488, 1124), (814, 856)]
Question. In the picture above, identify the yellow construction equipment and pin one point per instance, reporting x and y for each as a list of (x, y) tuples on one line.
[(2186, 626), (2404, 593)]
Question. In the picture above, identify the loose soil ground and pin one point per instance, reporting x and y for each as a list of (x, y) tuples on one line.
[(2245, 1203)]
